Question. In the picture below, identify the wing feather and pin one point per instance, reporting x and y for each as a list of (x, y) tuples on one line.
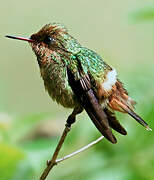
[(83, 91)]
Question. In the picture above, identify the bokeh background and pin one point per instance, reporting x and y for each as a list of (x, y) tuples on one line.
[(31, 123)]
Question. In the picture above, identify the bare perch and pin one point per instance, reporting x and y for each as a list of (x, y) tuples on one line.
[(80, 150), (52, 162)]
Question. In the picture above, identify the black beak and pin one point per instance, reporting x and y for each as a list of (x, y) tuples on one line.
[(20, 38)]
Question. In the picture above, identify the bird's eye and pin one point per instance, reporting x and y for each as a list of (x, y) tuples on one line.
[(48, 40)]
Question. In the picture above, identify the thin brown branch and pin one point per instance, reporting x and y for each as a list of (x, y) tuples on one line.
[(52, 162)]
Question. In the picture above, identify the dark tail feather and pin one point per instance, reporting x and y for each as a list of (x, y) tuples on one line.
[(138, 119), (133, 114), (114, 123)]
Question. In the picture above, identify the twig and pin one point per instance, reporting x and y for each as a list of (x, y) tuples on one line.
[(52, 162), (80, 150)]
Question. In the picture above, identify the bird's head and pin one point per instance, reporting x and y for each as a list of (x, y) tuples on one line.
[(53, 39)]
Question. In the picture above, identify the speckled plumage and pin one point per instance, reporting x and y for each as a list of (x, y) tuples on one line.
[(63, 52), (77, 77)]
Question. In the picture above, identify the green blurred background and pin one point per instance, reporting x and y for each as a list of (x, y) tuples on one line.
[(31, 123)]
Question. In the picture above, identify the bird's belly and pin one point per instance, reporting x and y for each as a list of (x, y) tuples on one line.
[(63, 96), (59, 90)]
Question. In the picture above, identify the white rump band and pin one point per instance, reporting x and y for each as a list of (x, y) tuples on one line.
[(110, 80)]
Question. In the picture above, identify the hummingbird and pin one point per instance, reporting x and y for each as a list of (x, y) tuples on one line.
[(78, 78)]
